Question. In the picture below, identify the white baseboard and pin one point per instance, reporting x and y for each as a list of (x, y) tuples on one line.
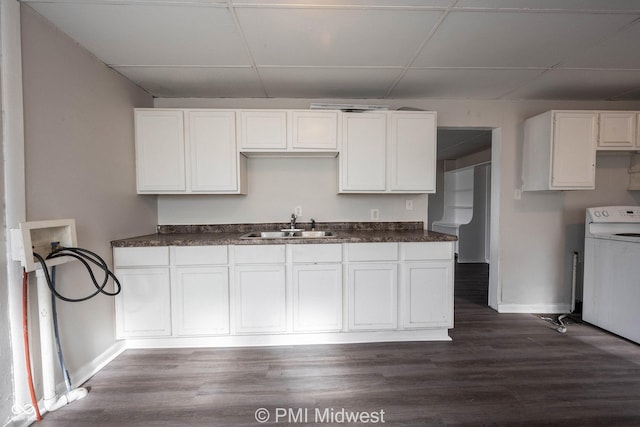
[(436, 334), (85, 372), (535, 308)]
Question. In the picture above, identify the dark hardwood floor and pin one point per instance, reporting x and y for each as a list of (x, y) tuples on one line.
[(499, 370)]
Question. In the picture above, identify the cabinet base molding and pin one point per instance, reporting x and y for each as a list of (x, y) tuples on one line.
[(436, 334)]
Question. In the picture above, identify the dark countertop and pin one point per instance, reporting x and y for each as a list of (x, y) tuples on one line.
[(229, 234)]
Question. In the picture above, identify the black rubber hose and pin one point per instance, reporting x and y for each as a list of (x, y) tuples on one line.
[(82, 255)]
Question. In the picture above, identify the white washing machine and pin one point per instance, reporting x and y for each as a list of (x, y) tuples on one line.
[(611, 290)]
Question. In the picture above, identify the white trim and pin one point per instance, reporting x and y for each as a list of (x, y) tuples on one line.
[(558, 308), (436, 334), (87, 371), (14, 193)]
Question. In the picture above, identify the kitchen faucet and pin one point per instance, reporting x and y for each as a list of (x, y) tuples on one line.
[(293, 221)]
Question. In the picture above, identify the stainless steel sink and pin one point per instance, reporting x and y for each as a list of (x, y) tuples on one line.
[(288, 234), (316, 234)]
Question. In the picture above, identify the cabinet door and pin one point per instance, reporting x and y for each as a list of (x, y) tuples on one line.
[(201, 300), (211, 137), (363, 155), (617, 130), (638, 131), (160, 151), (143, 307), (314, 130), (317, 297), (263, 130), (412, 149), (427, 294), (574, 150), (260, 298), (373, 296)]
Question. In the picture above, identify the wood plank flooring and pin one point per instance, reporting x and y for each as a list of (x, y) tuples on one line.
[(499, 370)]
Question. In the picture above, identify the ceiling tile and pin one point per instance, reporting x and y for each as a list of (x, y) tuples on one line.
[(145, 34), (455, 143), (614, 52), (335, 37), (608, 5), (201, 82), (460, 83), (562, 84), (314, 82), (512, 39), (349, 3)]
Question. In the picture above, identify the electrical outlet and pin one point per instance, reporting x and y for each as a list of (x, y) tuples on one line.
[(409, 205), (375, 214), (298, 211)]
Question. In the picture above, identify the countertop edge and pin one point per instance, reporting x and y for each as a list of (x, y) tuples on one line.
[(233, 238)]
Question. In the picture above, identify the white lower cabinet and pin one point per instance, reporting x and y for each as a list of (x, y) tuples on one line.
[(426, 285), (260, 289), (200, 290), (317, 297), (373, 290), (143, 307), (260, 299), (372, 283), (201, 300), (269, 294), (316, 282), (427, 297)]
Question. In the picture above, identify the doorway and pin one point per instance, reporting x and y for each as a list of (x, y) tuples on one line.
[(462, 202)]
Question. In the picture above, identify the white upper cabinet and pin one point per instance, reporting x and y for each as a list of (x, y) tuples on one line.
[(638, 131), (363, 155), (559, 151), (160, 151), (212, 146), (263, 130), (314, 130), (412, 143), (187, 151), (388, 152), (283, 131), (617, 130)]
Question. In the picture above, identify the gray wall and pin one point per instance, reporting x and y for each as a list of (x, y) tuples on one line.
[(79, 164)]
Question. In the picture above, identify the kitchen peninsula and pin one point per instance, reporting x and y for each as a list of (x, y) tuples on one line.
[(224, 285)]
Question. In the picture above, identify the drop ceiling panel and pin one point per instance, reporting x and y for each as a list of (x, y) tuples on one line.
[(613, 52), (143, 34), (461, 83), (508, 39), (331, 82), (343, 3), (455, 143), (200, 82), (619, 5), (581, 85), (335, 37)]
